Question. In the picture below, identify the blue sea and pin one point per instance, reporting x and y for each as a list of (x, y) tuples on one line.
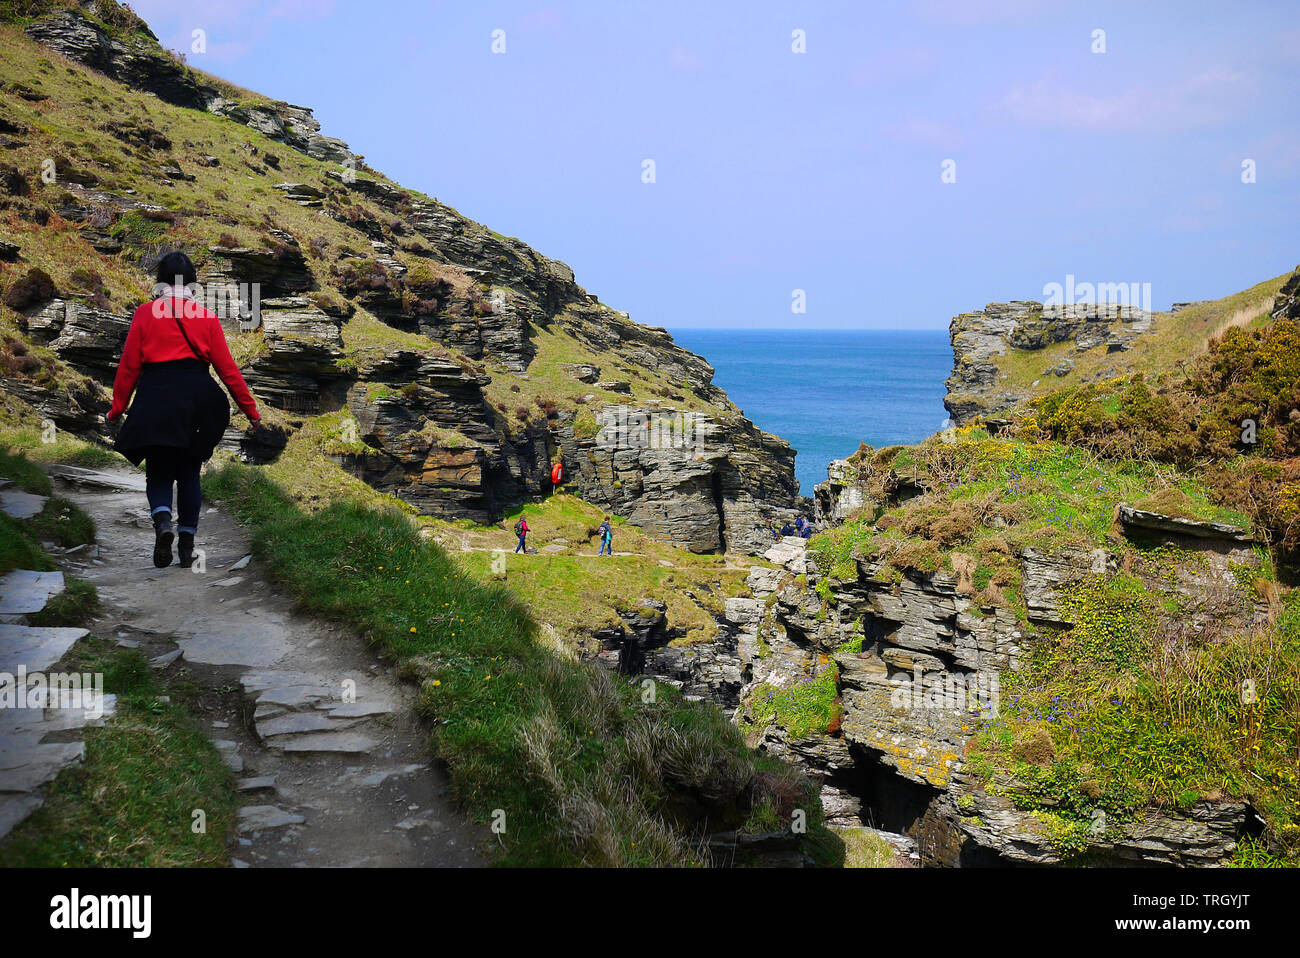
[(825, 391)]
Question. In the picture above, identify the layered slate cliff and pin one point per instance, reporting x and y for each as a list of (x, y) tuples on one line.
[(1008, 353), (439, 361), (1069, 636)]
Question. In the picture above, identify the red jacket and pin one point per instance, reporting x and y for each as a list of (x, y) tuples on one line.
[(155, 338)]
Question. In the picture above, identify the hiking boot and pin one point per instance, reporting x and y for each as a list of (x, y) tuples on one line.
[(162, 539), (185, 549)]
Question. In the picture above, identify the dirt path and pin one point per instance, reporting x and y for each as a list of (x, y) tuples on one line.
[(333, 766)]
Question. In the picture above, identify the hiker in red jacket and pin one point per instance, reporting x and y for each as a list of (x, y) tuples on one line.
[(179, 412), (521, 530)]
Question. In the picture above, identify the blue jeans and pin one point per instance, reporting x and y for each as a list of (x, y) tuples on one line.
[(167, 467), (521, 547), (606, 546)]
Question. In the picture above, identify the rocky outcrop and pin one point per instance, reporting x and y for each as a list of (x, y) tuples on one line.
[(1180, 527), (132, 55), (424, 430), (430, 439), (975, 388), (299, 360), (86, 337), (641, 646), (969, 827), (709, 484), (1286, 305), (842, 495), (237, 280), (927, 679)]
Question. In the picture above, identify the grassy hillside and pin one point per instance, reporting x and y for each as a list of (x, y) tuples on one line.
[(1177, 679), (586, 769)]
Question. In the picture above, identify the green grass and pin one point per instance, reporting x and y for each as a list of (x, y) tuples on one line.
[(584, 771), (131, 803), (576, 591), (19, 548), (866, 849), (76, 605), (808, 707), (59, 519), (24, 473), (64, 522), (1107, 716)]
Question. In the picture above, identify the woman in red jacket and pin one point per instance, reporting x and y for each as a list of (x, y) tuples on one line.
[(179, 412)]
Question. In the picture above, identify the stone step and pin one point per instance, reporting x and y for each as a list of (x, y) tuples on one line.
[(337, 742), (113, 481), (24, 591), (34, 648), (254, 818), (18, 504)]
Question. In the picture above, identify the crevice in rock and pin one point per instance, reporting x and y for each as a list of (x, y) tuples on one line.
[(716, 481)]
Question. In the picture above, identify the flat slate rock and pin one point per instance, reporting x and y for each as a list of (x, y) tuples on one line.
[(340, 742), (100, 478), (361, 709), (20, 505), (236, 643), (26, 764), (294, 696), (294, 723), (1198, 528), (14, 809), (24, 591), (261, 679), (255, 784), (254, 818), (36, 647), (51, 717)]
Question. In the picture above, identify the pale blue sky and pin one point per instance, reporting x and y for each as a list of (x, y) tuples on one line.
[(818, 171)]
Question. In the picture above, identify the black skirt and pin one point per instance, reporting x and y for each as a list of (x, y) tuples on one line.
[(178, 406)]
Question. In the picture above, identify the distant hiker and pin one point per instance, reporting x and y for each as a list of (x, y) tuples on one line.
[(606, 532), (807, 530), (798, 526), (521, 530), (179, 413), (787, 529)]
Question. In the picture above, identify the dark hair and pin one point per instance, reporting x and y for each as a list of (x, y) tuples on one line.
[(176, 264)]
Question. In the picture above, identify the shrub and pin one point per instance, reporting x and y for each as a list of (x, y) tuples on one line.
[(34, 287)]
